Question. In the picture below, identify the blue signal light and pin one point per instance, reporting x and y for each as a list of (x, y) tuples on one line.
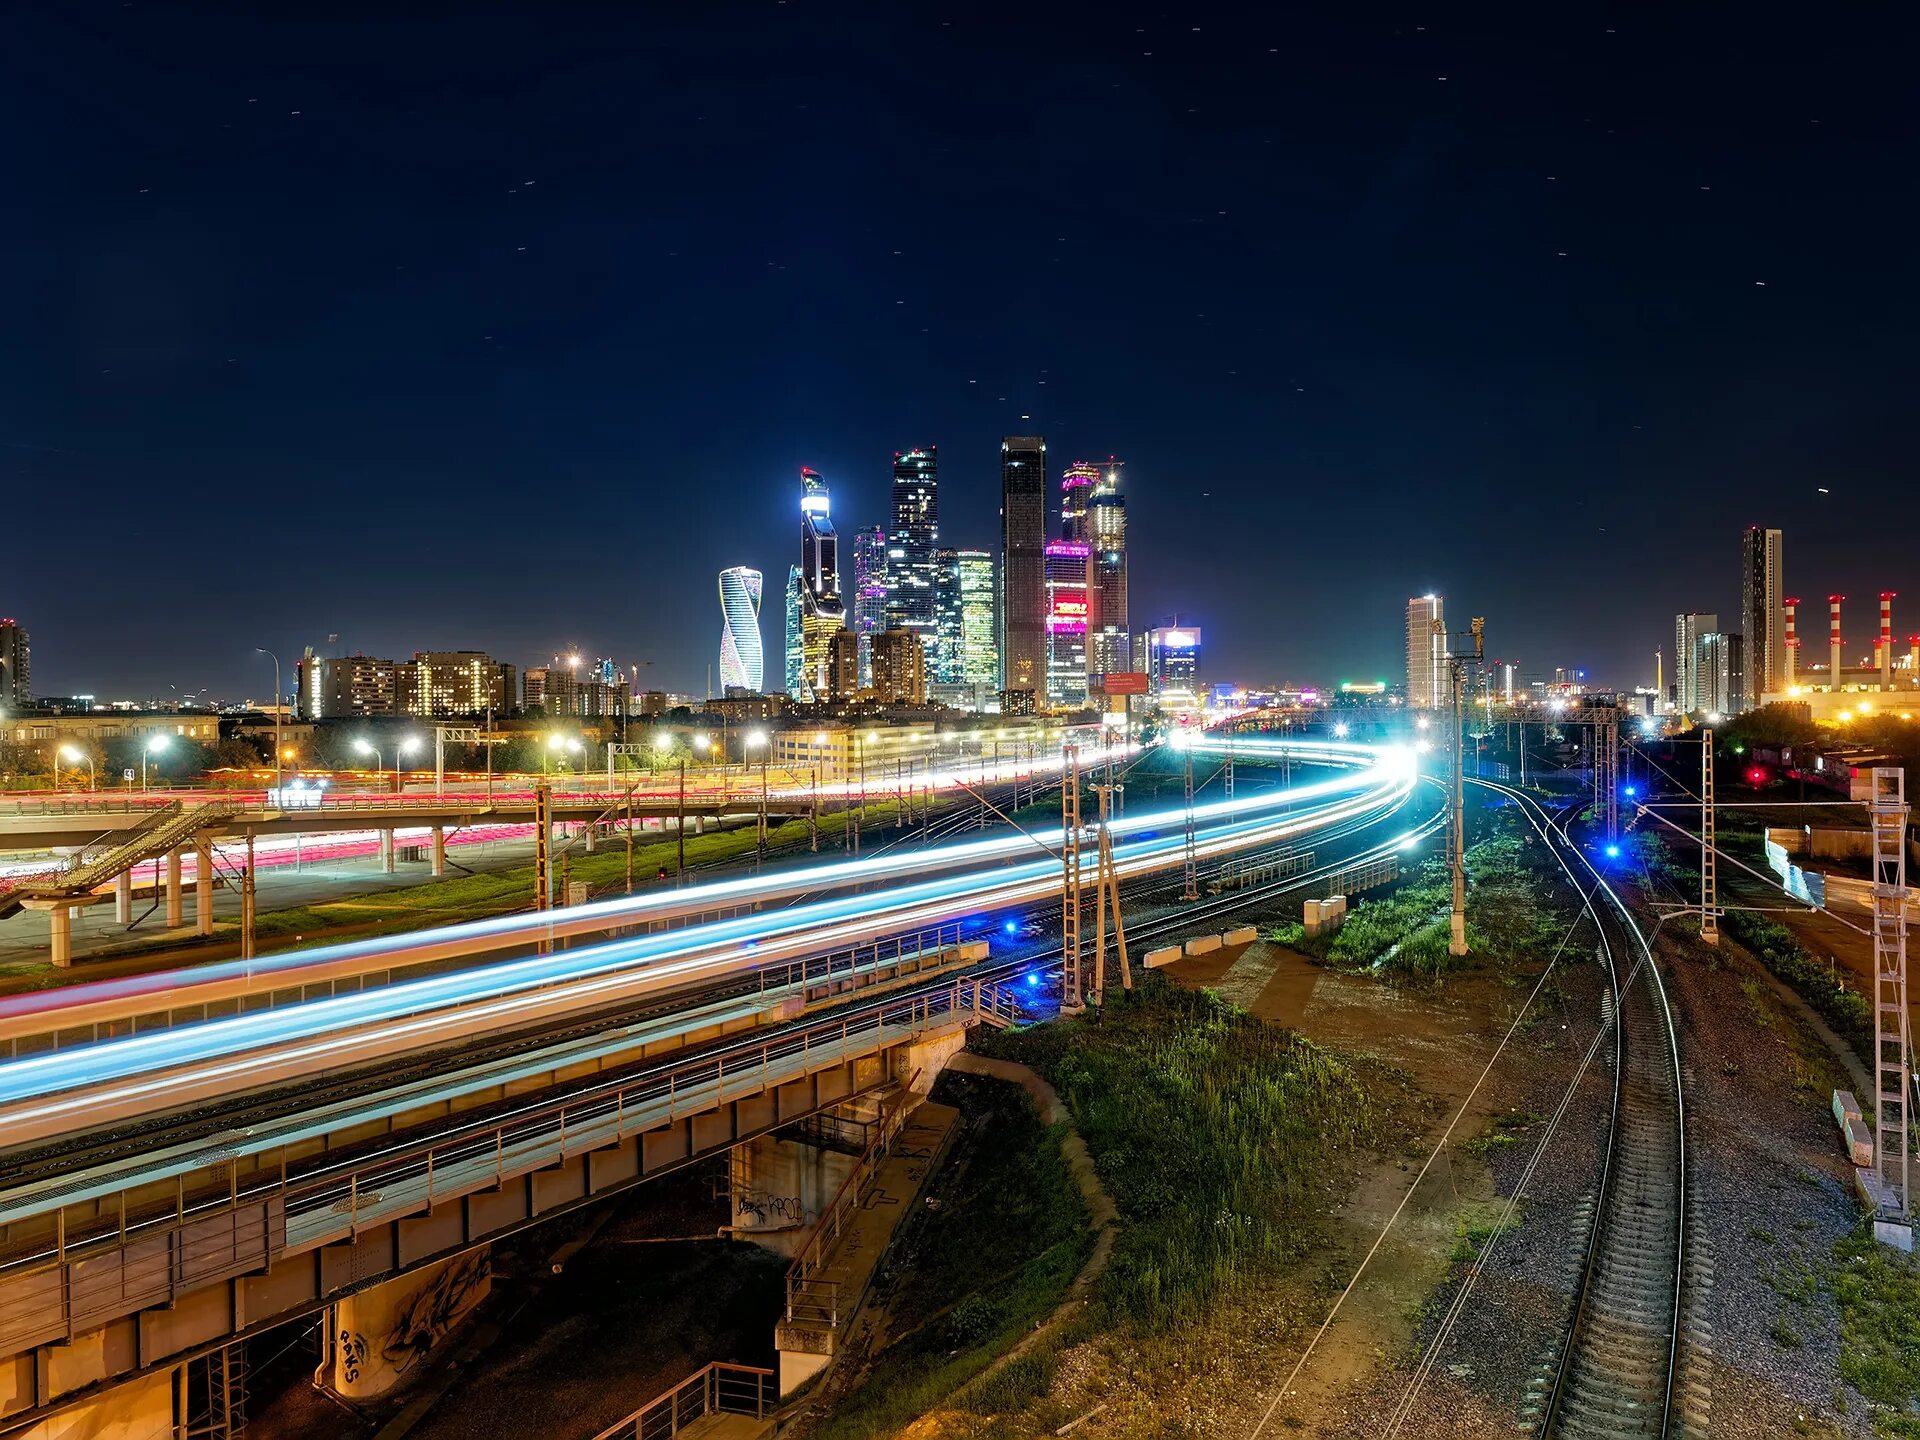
[(1033, 977), (1631, 791), (1613, 852), (1012, 927)]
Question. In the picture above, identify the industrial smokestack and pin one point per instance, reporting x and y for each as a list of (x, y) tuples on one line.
[(1793, 640), (1833, 641), (1885, 655)]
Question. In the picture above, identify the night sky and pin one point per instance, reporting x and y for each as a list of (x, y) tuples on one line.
[(509, 329)]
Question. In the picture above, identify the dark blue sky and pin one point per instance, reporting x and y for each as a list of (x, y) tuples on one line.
[(510, 328)]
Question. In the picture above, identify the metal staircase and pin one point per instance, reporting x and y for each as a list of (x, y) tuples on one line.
[(166, 829)]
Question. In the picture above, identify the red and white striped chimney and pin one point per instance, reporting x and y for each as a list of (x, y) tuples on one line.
[(1913, 659), (1886, 640), (1833, 641), (1790, 605)]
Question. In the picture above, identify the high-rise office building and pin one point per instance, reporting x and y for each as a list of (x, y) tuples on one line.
[(16, 666), (868, 614), (1067, 570), (965, 651), (1109, 645), (1173, 662), (1076, 488), (1687, 632), (900, 667), (794, 669), (821, 612), (1023, 566), (912, 537), (742, 665), (1763, 611), (1721, 673), (1427, 685)]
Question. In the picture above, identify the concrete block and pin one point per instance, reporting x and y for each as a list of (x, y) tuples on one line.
[(1165, 955), (1859, 1140), (973, 950), (1844, 1105), (1202, 945), (1243, 935)]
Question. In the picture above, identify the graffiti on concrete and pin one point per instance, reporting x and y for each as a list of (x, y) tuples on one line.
[(353, 1355), (433, 1310), (767, 1207)]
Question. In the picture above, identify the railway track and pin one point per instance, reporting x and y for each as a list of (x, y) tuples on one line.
[(1616, 1372)]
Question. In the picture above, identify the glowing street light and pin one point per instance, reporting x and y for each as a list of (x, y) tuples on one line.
[(367, 747), (406, 747), (1340, 730), (73, 755), (155, 744)]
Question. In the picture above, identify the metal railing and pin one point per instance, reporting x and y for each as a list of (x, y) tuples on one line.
[(811, 1300), (852, 968), (1239, 874), (720, 1389), (1365, 876)]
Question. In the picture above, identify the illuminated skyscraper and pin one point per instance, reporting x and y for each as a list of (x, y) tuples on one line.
[(1109, 646), (869, 592), (1762, 612), (1076, 486), (965, 649), (1023, 565), (821, 612), (1173, 663), (1427, 684), (1066, 573), (911, 540), (16, 666), (795, 669), (741, 664)]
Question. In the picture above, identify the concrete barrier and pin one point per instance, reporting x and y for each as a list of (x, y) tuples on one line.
[(1203, 944), (1244, 935), (1165, 955), (973, 950)]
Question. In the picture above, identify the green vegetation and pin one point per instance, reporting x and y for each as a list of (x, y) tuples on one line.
[(1878, 1291), (1818, 983), (1210, 1128), (992, 1261), (1407, 930), (1476, 1227)]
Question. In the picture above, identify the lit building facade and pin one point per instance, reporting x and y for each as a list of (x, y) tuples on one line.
[(1720, 673), (843, 665), (821, 611), (742, 665), (1688, 631), (1173, 663), (1763, 610), (346, 687), (16, 666), (438, 684), (1427, 685), (1076, 488), (1023, 569), (1066, 576), (912, 538), (794, 656), (869, 605), (1109, 642), (569, 688), (966, 651), (900, 667)]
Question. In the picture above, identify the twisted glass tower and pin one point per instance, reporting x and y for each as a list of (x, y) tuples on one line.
[(741, 665)]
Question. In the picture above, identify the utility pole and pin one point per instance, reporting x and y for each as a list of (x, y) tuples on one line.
[(247, 904), (543, 853), (1107, 892), (1891, 1044), (1190, 887), (1226, 773), (680, 831), (1709, 889), (630, 838), (1070, 997), (1457, 820)]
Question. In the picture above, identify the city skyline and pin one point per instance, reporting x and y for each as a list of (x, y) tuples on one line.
[(1385, 284)]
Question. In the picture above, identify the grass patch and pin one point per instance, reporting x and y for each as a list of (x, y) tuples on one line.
[(1211, 1129), (994, 1259), (1878, 1292)]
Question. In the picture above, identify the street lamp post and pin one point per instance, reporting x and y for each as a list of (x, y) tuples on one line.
[(367, 747), (154, 745), (73, 756), (262, 650), (757, 740), (402, 749)]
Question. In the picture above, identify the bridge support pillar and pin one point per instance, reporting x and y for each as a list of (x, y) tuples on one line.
[(377, 1339), (203, 884), (149, 1406), (386, 851), (439, 850), (778, 1187), (123, 898), (176, 907)]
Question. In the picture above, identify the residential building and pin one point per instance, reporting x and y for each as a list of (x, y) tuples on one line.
[(843, 665), (1023, 560), (16, 666), (42, 736), (742, 666), (912, 538), (900, 667), (1719, 665), (1763, 610), (564, 688), (1687, 632), (347, 687), (1109, 643), (448, 683), (1427, 685), (821, 611)]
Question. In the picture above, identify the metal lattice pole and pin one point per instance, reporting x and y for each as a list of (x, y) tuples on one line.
[(1457, 824), (1190, 889), (1070, 898), (543, 853), (1226, 773), (1709, 883), (1891, 1047)]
